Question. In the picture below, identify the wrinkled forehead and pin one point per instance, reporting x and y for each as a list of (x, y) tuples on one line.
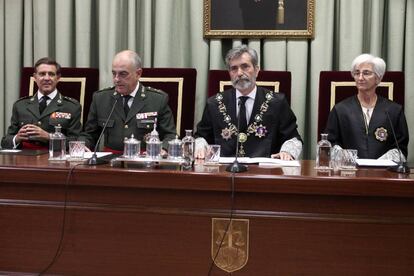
[(242, 59), (43, 68), (364, 66)]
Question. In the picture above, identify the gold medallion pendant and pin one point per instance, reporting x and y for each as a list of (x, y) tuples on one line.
[(230, 243)]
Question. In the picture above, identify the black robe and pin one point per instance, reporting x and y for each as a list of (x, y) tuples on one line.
[(279, 121), (346, 127)]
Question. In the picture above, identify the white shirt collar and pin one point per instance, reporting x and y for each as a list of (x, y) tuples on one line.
[(251, 95), (51, 95)]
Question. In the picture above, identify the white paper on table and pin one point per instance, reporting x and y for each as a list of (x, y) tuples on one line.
[(10, 150), (375, 163), (261, 161), (88, 154)]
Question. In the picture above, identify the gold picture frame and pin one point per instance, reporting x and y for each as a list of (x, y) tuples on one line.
[(259, 18)]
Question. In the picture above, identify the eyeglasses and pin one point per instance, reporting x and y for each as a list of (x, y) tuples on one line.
[(365, 73)]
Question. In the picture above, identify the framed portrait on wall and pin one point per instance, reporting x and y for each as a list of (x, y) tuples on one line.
[(259, 18)]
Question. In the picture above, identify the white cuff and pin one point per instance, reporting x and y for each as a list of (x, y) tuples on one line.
[(293, 147), (200, 145), (394, 155)]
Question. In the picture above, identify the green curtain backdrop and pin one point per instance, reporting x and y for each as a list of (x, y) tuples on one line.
[(169, 33)]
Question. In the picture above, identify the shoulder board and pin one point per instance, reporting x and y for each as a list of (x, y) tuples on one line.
[(105, 89), (25, 97), (70, 99), (152, 89)]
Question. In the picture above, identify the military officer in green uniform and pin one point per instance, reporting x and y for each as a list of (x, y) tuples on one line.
[(34, 117), (137, 108)]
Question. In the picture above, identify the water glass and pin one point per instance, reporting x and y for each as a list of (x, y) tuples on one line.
[(212, 156), (348, 160), (76, 150)]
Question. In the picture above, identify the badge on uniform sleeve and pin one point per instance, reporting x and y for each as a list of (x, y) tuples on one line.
[(60, 115), (381, 134), (146, 115)]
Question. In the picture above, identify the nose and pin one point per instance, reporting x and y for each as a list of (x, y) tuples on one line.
[(360, 76), (240, 72)]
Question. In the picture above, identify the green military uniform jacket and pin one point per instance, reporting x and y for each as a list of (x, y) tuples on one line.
[(61, 110), (148, 104)]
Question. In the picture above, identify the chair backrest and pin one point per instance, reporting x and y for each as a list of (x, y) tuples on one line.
[(278, 81), (335, 86), (77, 83), (180, 84)]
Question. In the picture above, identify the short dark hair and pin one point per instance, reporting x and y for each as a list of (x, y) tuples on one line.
[(49, 61)]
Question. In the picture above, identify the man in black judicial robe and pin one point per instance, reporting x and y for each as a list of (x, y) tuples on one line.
[(271, 129)]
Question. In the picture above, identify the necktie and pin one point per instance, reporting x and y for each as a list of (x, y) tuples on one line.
[(242, 114), (43, 103), (126, 106)]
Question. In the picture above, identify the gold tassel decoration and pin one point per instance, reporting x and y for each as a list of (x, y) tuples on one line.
[(281, 12)]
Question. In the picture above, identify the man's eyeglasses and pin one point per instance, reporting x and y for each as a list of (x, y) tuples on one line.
[(365, 73)]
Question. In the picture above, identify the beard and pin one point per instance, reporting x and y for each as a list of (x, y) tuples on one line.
[(243, 83)]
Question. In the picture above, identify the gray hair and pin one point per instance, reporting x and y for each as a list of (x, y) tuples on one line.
[(135, 58), (377, 63), (240, 50)]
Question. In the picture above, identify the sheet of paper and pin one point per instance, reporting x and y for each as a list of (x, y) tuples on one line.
[(260, 161), (375, 163), (89, 154), (10, 150)]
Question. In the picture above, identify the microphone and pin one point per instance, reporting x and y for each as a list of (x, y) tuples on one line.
[(236, 167), (401, 167), (94, 159)]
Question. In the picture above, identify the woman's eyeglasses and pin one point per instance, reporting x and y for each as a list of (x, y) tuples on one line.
[(365, 73)]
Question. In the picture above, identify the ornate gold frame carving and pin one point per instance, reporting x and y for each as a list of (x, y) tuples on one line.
[(335, 84), (231, 252), (82, 81), (274, 84), (305, 32), (180, 82)]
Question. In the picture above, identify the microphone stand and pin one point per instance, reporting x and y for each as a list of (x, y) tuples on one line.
[(236, 167), (94, 159), (401, 167)]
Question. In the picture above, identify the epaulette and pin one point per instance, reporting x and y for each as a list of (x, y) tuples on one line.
[(105, 89), (152, 89), (70, 99), (25, 97)]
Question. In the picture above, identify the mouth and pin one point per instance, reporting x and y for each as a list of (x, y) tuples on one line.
[(241, 80)]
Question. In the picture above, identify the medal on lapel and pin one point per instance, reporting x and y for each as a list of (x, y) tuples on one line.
[(381, 134)]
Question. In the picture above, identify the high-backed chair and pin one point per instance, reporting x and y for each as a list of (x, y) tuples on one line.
[(77, 83), (278, 81), (335, 86), (180, 84)]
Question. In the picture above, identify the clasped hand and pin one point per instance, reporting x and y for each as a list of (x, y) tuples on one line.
[(31, 132)]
